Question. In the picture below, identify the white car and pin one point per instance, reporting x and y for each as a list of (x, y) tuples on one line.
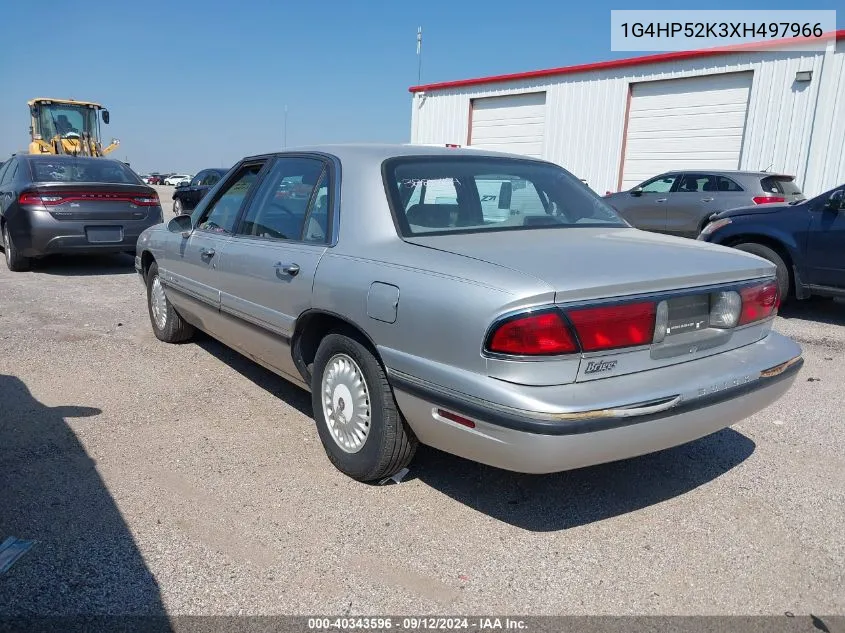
[(176, 179)]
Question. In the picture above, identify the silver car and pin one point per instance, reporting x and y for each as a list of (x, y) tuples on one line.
[(547, 338), (681, 202)]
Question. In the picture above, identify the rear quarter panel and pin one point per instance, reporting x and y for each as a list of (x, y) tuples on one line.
[(446, 304)]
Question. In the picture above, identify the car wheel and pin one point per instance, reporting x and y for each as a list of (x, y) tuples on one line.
[(360, 426), (168, 326), (177, 206), (784, 285), (14, 260)]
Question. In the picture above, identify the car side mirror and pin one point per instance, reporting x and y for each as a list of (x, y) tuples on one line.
[(106, 117), (180, 224), (636, 191), (836, 202)]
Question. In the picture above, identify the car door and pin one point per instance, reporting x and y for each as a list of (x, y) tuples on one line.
[(269, 265), (191, 193), (692, 201), (192, 260), (644, 206), (826, 243)]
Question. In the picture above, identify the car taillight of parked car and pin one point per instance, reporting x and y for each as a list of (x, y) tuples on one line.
[(768, 199), (29, 198), (556, 331)]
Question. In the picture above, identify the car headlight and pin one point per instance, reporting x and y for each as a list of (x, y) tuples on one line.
[(714, 226)]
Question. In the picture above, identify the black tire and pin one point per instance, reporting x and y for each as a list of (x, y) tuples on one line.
[(390, 443), (14, 260), (175, 329), (783, 276), (177, 206)]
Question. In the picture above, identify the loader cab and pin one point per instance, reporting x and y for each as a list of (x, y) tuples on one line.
[(61, 126)]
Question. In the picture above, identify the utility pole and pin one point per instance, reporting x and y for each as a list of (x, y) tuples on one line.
[(419, 55)]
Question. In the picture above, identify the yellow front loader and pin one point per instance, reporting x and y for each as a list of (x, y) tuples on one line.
[(65, 126)]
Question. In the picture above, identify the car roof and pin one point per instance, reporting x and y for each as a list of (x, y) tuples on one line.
[(379, 152), (728, 172)]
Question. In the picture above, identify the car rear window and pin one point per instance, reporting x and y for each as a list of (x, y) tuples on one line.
[(780, 184), (46, 169), (470, 194)]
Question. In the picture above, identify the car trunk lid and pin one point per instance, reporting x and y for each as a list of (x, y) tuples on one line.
[(585, 263)]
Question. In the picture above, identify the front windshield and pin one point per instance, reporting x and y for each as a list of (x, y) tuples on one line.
[(66, 120), (467, 194)]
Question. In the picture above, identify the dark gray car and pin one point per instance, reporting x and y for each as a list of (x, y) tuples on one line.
[(69, 204), (681, 202)]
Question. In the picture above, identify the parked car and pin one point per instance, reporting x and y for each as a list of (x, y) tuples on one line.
[(185, 198), (805, 240), (555, 339), (71, 204), (176, 179), (681, 202)]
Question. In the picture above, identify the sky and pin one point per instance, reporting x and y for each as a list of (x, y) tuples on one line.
[(193, 84)]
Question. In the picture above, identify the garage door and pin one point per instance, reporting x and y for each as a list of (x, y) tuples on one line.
[(695, 123), (516, 123)]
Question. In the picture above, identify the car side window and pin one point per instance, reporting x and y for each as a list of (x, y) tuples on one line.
[(726, 184), (197, 180), (697, 183), (220, 216), (7, 172), (286, 199), (210, 179), (661, 184)]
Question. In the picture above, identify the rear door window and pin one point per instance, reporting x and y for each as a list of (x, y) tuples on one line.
[(697, 183), (726, 184)]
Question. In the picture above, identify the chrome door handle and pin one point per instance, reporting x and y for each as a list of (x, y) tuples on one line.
[(289, 269), (707, 199), (661, 200), (207, 252)]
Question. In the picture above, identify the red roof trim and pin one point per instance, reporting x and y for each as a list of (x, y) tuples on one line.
[(618, 63)]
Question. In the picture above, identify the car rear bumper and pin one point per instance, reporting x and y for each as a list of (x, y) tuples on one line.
[(543, 441), (45, 235)]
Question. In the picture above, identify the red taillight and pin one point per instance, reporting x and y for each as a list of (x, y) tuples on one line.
[(759, 302), (28, 197), (141, 200), (610, 327), (146, 201), (768, 199), (542, 334)]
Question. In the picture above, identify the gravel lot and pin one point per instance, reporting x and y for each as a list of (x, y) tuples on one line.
[(186, 479)]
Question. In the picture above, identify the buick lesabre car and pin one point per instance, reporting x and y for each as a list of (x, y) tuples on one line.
[(551, 337)]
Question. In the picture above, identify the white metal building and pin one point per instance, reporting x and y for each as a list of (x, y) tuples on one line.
[(616, 123)]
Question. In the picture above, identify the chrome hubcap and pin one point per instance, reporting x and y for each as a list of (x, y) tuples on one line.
[(158, 303), (346, 403)]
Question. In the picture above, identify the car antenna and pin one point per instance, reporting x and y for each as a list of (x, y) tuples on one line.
[(768, 168)]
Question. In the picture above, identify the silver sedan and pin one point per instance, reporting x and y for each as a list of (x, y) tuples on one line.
[(489, 305)]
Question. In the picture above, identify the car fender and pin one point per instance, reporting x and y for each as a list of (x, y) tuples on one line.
[(759, 231)]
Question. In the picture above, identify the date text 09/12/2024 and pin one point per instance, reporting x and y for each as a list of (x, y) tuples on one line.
[(415, 624)]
